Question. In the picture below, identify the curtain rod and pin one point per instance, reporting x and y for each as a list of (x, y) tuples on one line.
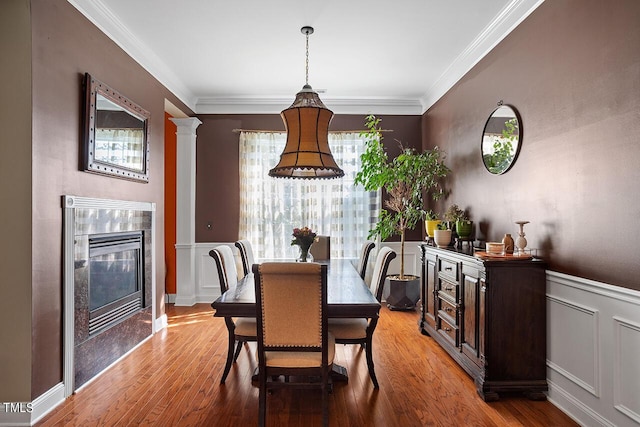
[(283, 131)]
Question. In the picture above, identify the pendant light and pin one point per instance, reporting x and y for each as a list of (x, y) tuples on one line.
[(306, 154)]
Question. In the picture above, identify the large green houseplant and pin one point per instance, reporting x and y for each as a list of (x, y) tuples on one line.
[(406, 179)]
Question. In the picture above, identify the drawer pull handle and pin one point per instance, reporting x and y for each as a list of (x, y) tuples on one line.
[(448, 288), (449, 268), (447, 329), (449, 309)]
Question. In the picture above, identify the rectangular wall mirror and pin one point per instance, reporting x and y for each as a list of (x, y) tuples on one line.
[(116, 133)]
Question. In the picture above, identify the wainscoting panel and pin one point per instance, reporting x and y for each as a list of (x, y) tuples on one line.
[(626, 392), (593, 343), (576, 333)]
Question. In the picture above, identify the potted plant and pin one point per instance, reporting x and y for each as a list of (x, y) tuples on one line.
[(442, 235), (459, 220), (431, 222), (406, 179)]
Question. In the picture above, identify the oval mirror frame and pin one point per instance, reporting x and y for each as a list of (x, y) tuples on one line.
[(501, 139)]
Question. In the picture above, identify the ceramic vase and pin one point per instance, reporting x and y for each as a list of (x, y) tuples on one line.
[(442, 238), (508, 243)]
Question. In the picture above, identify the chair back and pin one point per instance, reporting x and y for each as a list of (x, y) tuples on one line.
[(321, 249), (226, 265), (367, 247), (384, 258), (246, 254), (291, 307)]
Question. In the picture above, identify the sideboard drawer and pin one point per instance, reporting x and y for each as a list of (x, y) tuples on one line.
[(449, 310), (450, 290), (449, 269), (448, 330)]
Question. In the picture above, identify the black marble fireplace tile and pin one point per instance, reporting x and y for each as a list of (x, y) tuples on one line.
[(96, 354)]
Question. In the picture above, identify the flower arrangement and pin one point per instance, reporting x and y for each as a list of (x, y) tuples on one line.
[(304, 238)]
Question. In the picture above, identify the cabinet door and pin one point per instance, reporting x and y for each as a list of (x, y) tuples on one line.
[(430, 292), (471, 317)]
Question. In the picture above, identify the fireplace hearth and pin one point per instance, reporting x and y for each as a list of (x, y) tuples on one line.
[(109, 283)]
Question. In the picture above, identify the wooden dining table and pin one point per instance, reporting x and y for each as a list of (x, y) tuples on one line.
[(348, 296)]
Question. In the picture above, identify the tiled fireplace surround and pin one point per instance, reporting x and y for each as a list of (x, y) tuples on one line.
[(86, 355)]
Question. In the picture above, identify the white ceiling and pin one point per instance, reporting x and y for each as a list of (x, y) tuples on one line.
[(365, 56)]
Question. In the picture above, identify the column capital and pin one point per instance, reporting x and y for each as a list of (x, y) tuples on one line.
[(188, 124)]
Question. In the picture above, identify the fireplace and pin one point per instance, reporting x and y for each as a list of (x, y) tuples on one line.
[(115, 278), (109, 283)]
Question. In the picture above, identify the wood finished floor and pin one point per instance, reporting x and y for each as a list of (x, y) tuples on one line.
[(173, 379)]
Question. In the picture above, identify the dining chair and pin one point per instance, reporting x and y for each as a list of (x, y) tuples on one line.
[(367, 247), (293, 339), (246, 254), (321, 249), (241, 329), (360, 331)]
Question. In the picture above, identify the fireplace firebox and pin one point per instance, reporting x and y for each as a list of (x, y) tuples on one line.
[(116, 279)]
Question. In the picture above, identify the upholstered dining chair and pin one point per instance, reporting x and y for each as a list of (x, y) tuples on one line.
[(293, 340), (363, 262), (244, 329), (321, 249), (246, 254), (359, 331)]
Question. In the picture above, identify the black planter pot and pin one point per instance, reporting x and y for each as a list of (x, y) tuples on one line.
[(402, 294)]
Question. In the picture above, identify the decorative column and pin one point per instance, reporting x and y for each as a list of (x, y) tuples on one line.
[(186, 210)]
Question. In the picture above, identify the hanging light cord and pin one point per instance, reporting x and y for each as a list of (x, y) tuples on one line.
[(307, 61)]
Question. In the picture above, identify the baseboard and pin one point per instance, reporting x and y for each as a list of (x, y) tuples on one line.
[(573, 408), (31, 414), (169, 298), (160, 323)]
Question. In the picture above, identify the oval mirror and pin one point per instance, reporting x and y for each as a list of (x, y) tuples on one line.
[(501, 139)]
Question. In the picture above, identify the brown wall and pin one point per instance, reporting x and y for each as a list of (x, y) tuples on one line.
[(64, 46), (217, 174), (15, 214), (572, 69)]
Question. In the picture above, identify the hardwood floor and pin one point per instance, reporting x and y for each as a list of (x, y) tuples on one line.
[(173, 379)]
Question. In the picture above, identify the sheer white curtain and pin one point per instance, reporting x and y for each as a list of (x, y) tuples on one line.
[(271, 207)]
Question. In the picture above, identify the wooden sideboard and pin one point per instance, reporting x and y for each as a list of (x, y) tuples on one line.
[(490, 316)]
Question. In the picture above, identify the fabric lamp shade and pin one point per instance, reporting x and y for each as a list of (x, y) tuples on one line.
[(306, 153)]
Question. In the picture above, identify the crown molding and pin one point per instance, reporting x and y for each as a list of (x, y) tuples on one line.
[(506, 21), (101, 16), (274, 105)]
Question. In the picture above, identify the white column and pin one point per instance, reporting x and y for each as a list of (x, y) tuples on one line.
[(186, 210)]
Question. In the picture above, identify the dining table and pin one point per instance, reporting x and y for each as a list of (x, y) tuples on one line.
[(348, 296)]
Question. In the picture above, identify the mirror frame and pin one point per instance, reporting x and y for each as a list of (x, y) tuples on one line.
[(93, 88), (484, 130)]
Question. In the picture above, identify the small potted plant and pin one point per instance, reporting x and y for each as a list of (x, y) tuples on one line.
[(431, 222), (442, 235), (459, 219)]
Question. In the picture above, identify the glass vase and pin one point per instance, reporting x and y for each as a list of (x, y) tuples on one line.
[(305, 255)]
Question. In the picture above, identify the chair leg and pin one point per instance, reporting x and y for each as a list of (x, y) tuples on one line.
[(238, 348), (232, 340), (325, 397), (262, 400), (369, 353)]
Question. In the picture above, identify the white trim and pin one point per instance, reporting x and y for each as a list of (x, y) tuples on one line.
[(506, 21), (160, 323), (274, 105), (101, 16), (41, 406), (98, 12)]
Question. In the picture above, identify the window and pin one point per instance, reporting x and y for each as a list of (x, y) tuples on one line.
[(271, 207)]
